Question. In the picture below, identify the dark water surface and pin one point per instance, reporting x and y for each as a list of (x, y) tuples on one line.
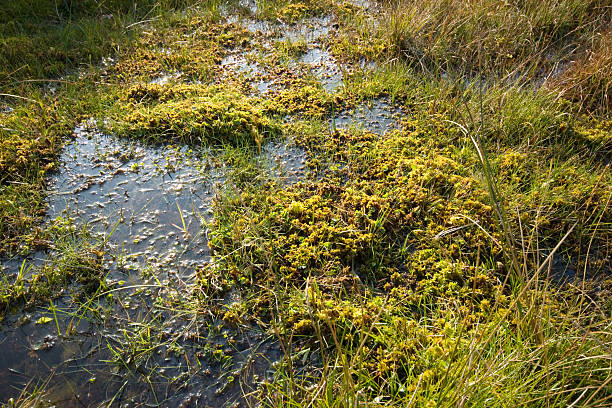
[(151, 206)]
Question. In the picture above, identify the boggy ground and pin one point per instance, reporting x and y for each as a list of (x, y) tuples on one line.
[(294, 203)]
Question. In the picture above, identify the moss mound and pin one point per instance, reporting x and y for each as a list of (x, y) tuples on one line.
[(377, 207), (195, 115)]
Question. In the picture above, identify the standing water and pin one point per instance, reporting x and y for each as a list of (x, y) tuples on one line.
[(135, 344)]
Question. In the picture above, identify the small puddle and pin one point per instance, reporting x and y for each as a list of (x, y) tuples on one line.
[(286, 162), (94, 367), (238, 63), (364, 4), (253, 26), (150, 202), (324, 67), (251, 5), (563, 270), (312, 30), (263, 86), (377, 116), (165, 78)]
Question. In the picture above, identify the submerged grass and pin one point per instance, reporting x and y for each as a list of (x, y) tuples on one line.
[(76, 259)]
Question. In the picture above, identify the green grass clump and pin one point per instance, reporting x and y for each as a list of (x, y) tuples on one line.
[(143, 93), (394, 267), (387, 350), (27, 142), (549, 162), (75, 260)]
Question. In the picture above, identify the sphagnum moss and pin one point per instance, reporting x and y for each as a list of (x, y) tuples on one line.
[(219, 116)]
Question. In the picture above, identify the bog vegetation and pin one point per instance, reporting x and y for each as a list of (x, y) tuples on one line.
[(462, 258)]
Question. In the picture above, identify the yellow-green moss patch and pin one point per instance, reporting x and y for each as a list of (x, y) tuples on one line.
[(217, 116)]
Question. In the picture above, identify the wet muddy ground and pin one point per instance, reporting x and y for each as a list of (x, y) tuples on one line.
[(135, 343)]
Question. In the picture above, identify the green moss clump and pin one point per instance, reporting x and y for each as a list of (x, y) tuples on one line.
[(197, 55), (596, 131), (305, 99), (76, 259), (294, 12), (216, 116), (154, 93), (29, 143), (384, 199)]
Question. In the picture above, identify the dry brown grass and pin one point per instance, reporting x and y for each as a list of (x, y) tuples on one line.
[(489, 37), (588, 80)]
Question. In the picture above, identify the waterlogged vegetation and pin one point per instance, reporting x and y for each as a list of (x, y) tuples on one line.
[(299, 203)]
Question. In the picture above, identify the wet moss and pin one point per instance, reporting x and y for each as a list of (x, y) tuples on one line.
[(216, 116), (150, 93), (400, 230), (192, 47), (294, 12), (596, 131), (306, 99), (29, 143), (390, 251), (380, 204), (76, 260)]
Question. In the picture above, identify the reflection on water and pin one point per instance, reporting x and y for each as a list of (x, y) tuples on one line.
[(324, 67), (377, 116), (149, 203), (133, 346)]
